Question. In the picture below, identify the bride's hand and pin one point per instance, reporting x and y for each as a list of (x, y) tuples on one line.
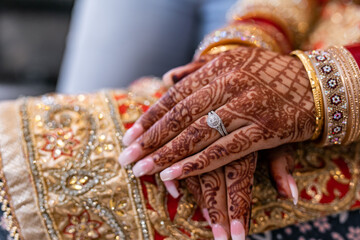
[(177, 74), (224, 194), (263, 98)]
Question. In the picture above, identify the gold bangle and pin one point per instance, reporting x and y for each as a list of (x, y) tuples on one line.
[(237, 34), (336, 109), (316, 91), (294, 17), (222, 48), (343, 60)]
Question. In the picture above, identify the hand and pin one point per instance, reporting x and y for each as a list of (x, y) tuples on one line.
[(224, 194), (263, 98), (177, 74)]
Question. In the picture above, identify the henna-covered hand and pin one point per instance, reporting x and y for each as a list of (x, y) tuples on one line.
[(177, 74), (225, 197), (263, 98)]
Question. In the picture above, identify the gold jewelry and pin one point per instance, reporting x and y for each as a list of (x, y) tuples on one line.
[(222, 48), (343, 60), (294, 17), (334, 96), (316, 90), (237, 34)]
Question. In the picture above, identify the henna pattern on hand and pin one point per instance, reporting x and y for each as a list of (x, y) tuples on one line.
[(267, 95), (279, 105), (239, 177), (213, 189), (183, 114), (194, 187)]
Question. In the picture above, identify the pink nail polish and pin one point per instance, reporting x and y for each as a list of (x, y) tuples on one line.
[(219, 232), (170, 173), (171, 188), (130, 154), (237, 230), (293, 189), (134, 132), (143, 167), (206, 215)]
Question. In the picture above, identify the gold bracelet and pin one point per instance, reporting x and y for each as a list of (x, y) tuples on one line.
[(316, 90), (334, 95), (245, 34), (222, 48), (294, 17), (343, 60)]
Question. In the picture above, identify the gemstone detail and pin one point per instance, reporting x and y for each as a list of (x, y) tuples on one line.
[(327, 69), (213, 121), (337, 130), (320, 58), (337, 115), (335, 99), (332, 83)]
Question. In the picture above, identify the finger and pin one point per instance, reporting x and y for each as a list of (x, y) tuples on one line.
[(172, 188), (225, 150), (190, 110), (214, 194), (174, 95), (177, 74), (281, 162), (193, 139), (194, 187), (239, 176)]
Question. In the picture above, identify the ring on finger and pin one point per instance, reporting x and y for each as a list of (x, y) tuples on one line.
[(214, 121)]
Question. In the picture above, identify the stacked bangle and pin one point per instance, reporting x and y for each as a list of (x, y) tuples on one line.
[(316, 90), (294, 17), (334, 94), (349, 72), (235, 35)]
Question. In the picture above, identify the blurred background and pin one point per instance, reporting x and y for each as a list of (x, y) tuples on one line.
[(32, 41), (109, 43)]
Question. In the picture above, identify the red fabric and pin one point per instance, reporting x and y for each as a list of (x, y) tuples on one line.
[(322, 2), (354, 49)]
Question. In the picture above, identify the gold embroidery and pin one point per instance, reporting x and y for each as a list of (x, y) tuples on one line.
[(7, 209), (157, 197)]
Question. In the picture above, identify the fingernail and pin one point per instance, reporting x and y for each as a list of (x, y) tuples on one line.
[(134, 132), (170, 173), (206, 215), (130, 154), (143, 167), (172, 189), (219, 232), (237, 230), (293, 189)]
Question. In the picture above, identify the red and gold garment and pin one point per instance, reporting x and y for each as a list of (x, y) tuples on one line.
[(61, 178)]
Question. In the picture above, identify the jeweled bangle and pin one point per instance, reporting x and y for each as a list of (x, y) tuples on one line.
[(294, 17), (316, 90), (240, 34), (344, 61), (334, 97)]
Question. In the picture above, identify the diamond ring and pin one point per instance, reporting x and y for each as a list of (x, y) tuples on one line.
[(214, 121)]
